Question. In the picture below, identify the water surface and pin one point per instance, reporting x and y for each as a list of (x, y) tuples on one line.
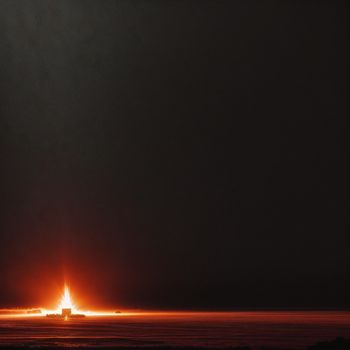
[(216, 329)]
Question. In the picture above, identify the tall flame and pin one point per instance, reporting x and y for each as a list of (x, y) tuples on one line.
[(66, 300)]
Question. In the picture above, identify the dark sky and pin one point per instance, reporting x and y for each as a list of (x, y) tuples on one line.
[(174, 154)]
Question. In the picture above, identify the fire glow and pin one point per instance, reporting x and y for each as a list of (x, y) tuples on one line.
[(66, 301), (66, 307)]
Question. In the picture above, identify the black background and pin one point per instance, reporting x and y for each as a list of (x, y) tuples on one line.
[(174, 154)]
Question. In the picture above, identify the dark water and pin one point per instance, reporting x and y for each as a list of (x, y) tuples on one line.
[(256, 329)]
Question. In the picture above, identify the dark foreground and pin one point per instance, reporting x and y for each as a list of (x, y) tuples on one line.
[(163, 331), (336, 344)]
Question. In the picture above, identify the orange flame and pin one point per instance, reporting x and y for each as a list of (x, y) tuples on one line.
[(66, 300)]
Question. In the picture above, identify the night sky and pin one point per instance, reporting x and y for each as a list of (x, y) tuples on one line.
[(174, 154)]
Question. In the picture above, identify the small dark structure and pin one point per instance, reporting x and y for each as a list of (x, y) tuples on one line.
[(65, 314)]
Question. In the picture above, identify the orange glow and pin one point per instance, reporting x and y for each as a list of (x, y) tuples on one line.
[(66, 300), (66, 308)]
